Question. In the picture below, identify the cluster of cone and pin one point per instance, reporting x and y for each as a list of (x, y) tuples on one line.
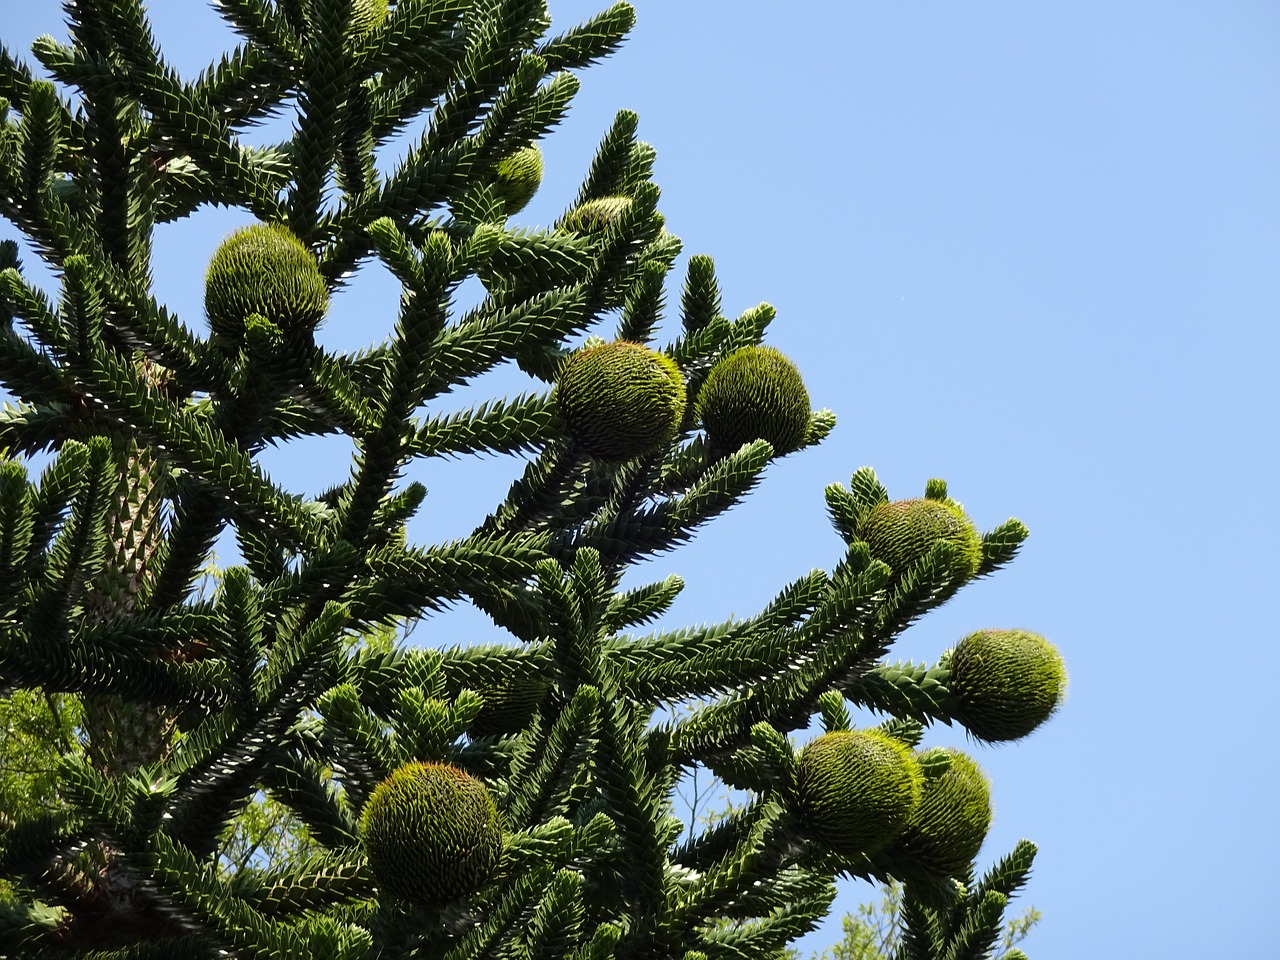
[(432, 832), (861, 792), (864, 793), (623, 400), (264, 273), (927, 813), (1003, 683)]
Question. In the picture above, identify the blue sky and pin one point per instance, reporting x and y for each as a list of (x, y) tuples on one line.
[(1033, 249)]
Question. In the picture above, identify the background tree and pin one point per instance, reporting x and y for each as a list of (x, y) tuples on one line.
[(504, 799), (39, 730), (875, 932)]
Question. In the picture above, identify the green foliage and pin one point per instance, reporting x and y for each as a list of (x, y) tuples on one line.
[(265, 832), (35, 729), (875, 931), (274, 768), (509, 707), (366, 16)]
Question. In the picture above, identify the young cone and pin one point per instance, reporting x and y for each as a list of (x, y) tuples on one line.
[(431, 832), (904, 532), (263, 269), (857, 790), (518, 177), (621, 400), (1006, 683), (595, 216), (951, 822), (755, 393)]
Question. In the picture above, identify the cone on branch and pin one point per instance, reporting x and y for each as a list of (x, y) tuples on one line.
[(1006, 683), (857, 790), (754, 393), (263, 270), (518, 177), (904, 532), (595, 216), (621, 400), (947, 829), (432, 833)]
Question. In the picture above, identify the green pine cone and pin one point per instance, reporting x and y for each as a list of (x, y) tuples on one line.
[(951, 822), (904, 532), (509, 709), (595, 216), (1006, 683), (518, 177), (754, 393), (431, 832), (621, 400), (263, 269), (857, 790)]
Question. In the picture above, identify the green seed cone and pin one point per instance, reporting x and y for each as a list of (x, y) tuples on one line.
[(518, 177), (508, 709), (1006, 683), (595, 216), (857, 790), (755, 393), (621, 400), (951, 822), (431, 832), (903, 533), (263, 269)]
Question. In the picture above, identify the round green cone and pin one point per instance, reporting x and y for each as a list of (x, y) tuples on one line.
[(857, 790), (620, 400), (517, 178), (595, 216), (1006, 683), (263, 269), (951, 822), (754, 393), (431, 832), (904, 532)]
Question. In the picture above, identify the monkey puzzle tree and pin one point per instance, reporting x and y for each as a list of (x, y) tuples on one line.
[(505, 799)]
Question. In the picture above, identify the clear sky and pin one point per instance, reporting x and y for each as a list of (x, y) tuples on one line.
[(1033, 249)]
